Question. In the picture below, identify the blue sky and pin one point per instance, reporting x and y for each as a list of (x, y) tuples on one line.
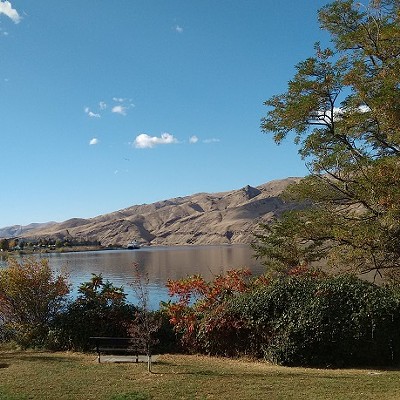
[(107, 104)]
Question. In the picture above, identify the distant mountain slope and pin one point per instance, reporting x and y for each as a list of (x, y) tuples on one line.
[(202, 218), (18, 230)]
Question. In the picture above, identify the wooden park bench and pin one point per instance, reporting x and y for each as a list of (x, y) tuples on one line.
[(117, 345)]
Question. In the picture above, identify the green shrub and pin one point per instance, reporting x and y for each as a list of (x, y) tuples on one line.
[(306, 318), (165, 338), (336, 321), (31, 296), (100, 309)]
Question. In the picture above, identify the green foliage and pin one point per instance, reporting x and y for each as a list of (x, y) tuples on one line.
[(302, 318), (4, 245), (339, 321), (165, 340), (291, 242), (99, 310), (343, 106), (31, 296)]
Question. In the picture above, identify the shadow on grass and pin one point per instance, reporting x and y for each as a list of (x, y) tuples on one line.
[(189, 370), (317, 373), (7, 358)]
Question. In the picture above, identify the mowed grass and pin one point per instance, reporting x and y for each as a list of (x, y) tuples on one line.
[(40, 375)]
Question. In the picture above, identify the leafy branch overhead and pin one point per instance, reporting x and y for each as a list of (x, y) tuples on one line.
[(343, 108)]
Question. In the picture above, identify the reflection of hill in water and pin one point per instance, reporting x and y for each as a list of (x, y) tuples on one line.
[(160, 263), (207, 261)]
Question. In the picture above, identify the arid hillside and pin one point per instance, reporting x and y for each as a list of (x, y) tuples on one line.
[(203, 218)]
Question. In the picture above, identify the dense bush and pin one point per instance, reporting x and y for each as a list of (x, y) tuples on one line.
[(100, 309), (31, 296), (35, 311), (199, 312), (299, 320), (336, 321)]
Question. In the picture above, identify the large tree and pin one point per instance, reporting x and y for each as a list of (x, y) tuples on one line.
[(343, 109)]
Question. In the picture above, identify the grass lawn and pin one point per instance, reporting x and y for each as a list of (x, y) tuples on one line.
[(40, 375)]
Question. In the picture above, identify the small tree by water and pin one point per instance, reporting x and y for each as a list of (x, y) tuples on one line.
[(100, 309), (31, 296), (146, 323)]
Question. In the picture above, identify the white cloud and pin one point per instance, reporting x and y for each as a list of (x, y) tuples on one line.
[(119, 110), (178, 29), (7, 10), (193, 139), (337, 114), (123, 106), (94, 141), (364, 108), (144, 141)]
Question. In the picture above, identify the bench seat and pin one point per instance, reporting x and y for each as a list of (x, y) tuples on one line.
[(116, 345)]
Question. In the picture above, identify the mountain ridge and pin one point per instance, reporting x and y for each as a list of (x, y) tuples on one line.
[(203, 218)]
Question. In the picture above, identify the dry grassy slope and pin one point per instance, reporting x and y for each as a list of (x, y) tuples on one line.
[(203, 218)]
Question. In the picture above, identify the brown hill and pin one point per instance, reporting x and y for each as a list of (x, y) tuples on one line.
[(203, 218)]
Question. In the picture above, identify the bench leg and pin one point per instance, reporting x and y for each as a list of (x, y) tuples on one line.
[(98, 357)]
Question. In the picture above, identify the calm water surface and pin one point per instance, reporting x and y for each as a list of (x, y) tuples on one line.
[(159, 263)]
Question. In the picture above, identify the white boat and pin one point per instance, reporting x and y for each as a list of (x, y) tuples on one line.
[(132, 245)]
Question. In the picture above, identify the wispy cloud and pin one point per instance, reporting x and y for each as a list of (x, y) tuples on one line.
[(94, 141), (212, 140), (144, 141), (123, 105), (118, 105), (193, 139), (7, 10), (91, 114)]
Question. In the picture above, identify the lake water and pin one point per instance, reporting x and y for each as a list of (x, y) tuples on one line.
[(159, 263)]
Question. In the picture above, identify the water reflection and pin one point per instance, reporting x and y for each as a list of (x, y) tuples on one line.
[(159, 263)]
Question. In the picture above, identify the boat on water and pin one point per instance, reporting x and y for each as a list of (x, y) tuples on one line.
[(132, 245)]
